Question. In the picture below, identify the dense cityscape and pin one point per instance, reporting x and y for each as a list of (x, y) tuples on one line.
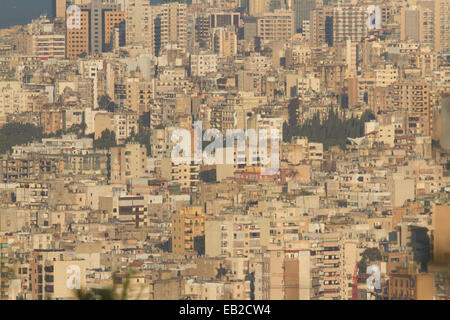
[(226, 150)]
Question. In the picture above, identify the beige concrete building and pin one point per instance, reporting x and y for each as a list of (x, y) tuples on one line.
[(416, 23), (290, 272), (170, 20), (276, 26), (124, 124), (49, 45), (258, 7), (139, 24), (414, 98), (139, 95), (4, 283), (128, 162), (403, 285), (54, 275), (188, 224), (224, 41), (441, 26), (441, 223), (186, 174)]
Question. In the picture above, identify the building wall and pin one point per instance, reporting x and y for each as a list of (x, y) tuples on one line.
[(441, 222), (276, 26), (77, 40), (186, 225), (112, 19), (139, 24), (4, 283), (445, 123)]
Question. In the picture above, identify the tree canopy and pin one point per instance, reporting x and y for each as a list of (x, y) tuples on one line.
[(368, 256), (106, 141), (331, 131), (105, 103), (15, 133)]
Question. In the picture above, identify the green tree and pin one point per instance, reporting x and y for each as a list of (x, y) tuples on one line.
[(15, 133), (292, 112), (331, 131), (143, 138), (286, 133), (110, 293), (368, 256), (144, 120), (106, 141), (106, 103)]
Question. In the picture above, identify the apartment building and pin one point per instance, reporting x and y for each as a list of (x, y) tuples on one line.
[(77, 38), (186, 174), (276, 26), (228, 238), (55, 275), (386, 76), (441, 26), (302, 9), (224, 41), (13, 99), (425, 61), (258, 7), (124, 124), (333, 25), (59, 9), (414, 98), (127, 162), (301, 150), (92, 26), (321, 27), (4, 281), (187, 226), (170, 26), (49, 45), (416, 23), (139, 24), (139, 95), (428, 176), (132, 210), (404, 285), (441, 215), (114, 20), (51, 121), (129, 210), (202, 31), (349, 23), (290, 274), (202, 64), (32, 193), (28, 167)]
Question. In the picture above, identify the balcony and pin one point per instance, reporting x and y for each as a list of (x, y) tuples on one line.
[(48, 269), (49, 289), (49, 278)]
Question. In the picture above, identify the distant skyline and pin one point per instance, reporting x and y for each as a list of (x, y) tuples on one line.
[(21, 12)]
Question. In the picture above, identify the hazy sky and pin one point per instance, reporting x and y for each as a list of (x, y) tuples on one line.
[(14, 12)]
